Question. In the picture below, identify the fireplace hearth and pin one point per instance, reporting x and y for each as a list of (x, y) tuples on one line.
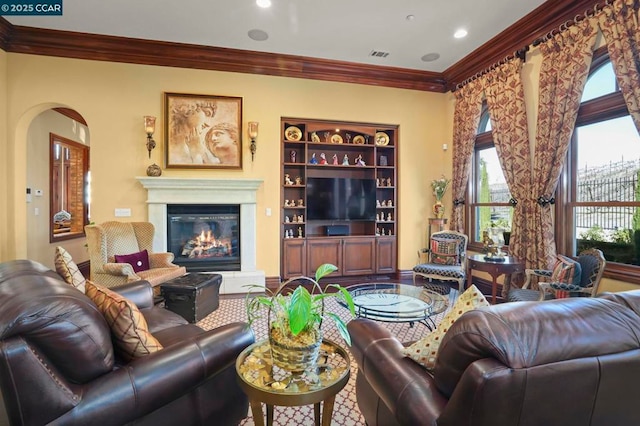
[(165, 191)]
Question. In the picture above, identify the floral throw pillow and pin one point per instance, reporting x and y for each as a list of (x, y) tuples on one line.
[(128, 327), (425, 350), (445, 251)]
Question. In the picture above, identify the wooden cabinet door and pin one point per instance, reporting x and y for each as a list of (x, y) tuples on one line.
[(294, 258), (324, 250), (386, 261), (359, 256)]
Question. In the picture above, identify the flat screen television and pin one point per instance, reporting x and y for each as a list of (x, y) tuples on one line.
[(341, 199)]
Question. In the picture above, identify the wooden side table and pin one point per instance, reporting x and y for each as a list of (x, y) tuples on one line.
[(265, 383), (510, 265)]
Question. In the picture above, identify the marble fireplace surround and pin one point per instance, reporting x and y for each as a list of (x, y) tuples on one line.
[(162, 191)]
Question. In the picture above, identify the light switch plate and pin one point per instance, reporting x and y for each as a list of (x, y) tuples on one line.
[(123, 212)]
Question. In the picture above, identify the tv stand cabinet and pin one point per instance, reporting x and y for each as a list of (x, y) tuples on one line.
[(371, 246)]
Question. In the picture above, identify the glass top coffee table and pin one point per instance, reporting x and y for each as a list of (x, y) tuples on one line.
[(394, 302)]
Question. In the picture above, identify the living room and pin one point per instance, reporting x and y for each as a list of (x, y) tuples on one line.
[(129, 91), (111, 94)]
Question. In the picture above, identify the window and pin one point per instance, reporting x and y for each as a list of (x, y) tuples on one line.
[(599, 195), (488, 190)]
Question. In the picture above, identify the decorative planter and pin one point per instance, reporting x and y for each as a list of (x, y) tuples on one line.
[(294, 359), (438, 210)]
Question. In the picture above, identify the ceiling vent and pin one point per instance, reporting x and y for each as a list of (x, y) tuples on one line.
[(378, 54)]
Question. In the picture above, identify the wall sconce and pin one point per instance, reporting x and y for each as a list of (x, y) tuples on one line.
[(253, 134), (150, 128)]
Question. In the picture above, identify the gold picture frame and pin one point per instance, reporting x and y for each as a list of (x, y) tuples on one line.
[(203, 131)]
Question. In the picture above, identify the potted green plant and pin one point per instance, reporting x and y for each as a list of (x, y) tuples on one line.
[(294, 320)]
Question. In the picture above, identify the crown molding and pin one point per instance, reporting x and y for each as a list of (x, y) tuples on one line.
[(38, 41)]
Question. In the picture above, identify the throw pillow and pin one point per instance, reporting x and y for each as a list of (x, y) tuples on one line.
[(68, 270), (128, 326), (445, 251), (139, 261), (566, 270), (425, 350)]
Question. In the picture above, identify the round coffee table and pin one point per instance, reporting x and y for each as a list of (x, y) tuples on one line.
[(264, 382), (394, 302)]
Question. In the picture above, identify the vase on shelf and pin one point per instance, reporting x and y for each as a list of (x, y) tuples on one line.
[(438, 209)]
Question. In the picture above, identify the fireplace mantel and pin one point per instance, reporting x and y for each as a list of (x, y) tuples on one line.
[(169, 190)]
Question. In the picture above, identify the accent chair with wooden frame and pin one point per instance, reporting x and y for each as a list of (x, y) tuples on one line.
[(447, 258), (592, 264)]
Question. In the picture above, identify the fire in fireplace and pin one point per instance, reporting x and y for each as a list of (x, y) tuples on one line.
[(204, 237)]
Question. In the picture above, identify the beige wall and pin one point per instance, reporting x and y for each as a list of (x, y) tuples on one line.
[(113, 97), (4, 154)]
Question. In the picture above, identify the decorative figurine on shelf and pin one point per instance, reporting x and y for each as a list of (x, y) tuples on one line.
[(323, 158), (299, 231), (360, 161), (292, 156), (383, 203), (345, 160), (335, 159), (389, 217), (348, 136), (286, 219), (295, 218), (300, 202), (315, 137), (377, 217), (326, 136), (378, 203), (298, 180), (286, 203), (389, 203), (313, 159), (377, 231), (287, 180), (388, 181), (366, 139), (300, 218)]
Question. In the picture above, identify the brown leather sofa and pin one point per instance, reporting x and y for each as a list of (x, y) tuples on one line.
[(57, 363), (565, 362)]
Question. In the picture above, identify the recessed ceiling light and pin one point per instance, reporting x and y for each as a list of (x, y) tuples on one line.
[(410, 17), (258, 35), (263, 3), (430, 57), (460, 33)]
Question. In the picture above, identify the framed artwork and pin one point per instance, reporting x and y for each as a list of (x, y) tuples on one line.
[(203, 131)]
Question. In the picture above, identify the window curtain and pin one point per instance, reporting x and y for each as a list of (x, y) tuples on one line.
[(619, 25), (466, 119), (505, 99), (565, 67)]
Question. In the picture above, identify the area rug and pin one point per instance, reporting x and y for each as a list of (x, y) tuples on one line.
[(345, 411)]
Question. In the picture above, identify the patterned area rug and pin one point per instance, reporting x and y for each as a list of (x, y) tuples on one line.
[(345, 411)]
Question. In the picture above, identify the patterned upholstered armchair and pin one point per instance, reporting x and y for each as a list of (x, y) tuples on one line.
[(447, 258), (592, 263), (111, 239)]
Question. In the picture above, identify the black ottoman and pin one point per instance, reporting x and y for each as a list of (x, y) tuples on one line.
[(193, 296)]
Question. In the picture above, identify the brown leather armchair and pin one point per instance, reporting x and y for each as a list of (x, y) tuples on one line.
[(57, 363), (567, 362)]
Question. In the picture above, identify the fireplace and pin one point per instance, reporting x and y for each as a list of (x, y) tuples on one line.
[(163, 192), (204, 237)]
